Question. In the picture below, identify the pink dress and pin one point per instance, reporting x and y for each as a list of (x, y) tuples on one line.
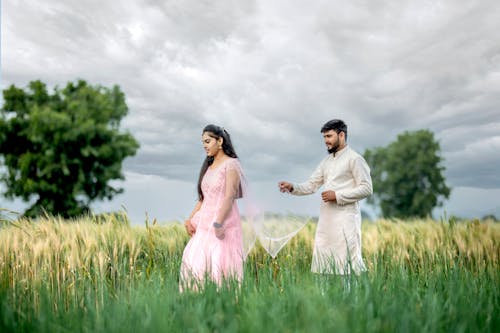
[(206, 256)]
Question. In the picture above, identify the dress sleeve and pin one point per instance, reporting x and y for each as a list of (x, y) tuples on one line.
[(233, 189), (312, 184), (362, 180)]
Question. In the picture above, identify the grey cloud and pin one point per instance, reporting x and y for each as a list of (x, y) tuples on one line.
[(198, 21), (272, 73), (478, 163)]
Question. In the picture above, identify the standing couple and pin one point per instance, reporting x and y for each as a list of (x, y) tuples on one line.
[(215, 250)]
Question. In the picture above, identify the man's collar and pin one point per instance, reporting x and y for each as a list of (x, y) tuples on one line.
[(340, 152)]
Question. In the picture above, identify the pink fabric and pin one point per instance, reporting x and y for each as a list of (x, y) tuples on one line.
[(206, 256)]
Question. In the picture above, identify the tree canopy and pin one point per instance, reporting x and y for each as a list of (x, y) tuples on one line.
[(61, 149), (408, 176)]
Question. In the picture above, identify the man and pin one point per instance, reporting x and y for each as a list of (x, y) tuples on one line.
[(346, 180)]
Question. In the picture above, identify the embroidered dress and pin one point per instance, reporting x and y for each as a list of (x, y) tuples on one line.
[(337, 244), (205, 255)]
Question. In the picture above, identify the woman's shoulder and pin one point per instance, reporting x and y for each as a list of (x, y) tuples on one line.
[(232, 163)]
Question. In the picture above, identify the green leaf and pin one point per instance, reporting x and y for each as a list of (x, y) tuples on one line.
[(64, 147), (407, 175)]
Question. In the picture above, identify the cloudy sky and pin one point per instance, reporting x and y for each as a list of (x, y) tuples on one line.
[(271, 73)]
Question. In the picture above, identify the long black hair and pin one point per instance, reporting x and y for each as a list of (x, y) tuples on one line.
[(215, 132)]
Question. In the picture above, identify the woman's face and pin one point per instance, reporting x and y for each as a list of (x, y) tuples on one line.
[(211, 144)]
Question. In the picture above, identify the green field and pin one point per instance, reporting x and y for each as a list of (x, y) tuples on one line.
[(107, 276)]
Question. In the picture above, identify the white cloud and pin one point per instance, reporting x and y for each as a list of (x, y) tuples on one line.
[(272, 72)]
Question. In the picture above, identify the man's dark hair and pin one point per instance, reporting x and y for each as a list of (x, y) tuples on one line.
[(337, 125)]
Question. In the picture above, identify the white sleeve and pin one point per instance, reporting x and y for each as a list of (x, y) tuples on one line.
[(312, 184), (363, 183)]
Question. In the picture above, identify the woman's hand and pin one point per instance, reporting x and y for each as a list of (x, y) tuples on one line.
[(189, 227), (219, 231)]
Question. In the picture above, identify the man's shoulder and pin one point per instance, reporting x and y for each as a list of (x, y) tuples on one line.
[(352, 152), (355, 158), (352, 155)]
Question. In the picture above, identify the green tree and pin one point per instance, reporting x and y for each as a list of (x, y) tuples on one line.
[(407, 175), (62, 149)]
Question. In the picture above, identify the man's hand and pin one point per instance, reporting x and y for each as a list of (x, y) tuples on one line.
[(285, 187), (329, 196), (189, 227)]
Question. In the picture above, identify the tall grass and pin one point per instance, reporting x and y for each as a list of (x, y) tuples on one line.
[(104, 275)]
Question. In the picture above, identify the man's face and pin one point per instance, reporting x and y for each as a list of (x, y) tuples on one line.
[(332, 140)]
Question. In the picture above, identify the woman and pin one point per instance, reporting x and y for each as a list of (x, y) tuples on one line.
[(215, 250)]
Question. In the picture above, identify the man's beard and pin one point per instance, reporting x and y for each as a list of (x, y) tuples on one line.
[(334, 148)]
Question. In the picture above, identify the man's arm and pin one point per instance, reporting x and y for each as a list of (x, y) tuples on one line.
[(312, 184), (362, 179)]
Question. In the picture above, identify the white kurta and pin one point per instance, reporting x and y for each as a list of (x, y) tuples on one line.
[(337, 244)]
